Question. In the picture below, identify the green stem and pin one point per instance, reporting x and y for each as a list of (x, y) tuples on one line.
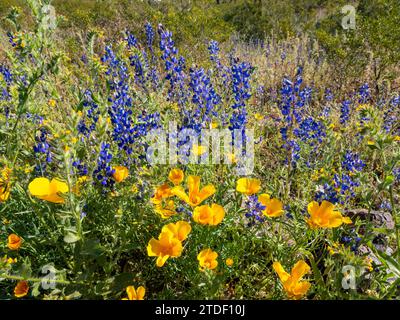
[(19, 278), (395, 219)]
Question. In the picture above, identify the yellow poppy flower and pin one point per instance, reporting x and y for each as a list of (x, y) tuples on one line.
[(179, 230), (229, 262), (21, 289), (134, 294), (14, 242), (43, 189), (248, 186), (195, 196), (5, 173), (258, 116), (294, 288), (176, 176), (211, 215), (273, 207), (166, 211), (325, 215), (120, 173), (5, 184), (161, 192), (4, 191), (167, 246), (207, 259)]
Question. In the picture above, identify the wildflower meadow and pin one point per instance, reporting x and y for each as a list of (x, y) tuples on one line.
[(133, 166)]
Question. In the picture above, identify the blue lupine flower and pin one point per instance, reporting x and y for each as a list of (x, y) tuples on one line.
[(352, 162), (346, 185), (385, 205), (7, 75), (81, 168), (213, 49), (327, 192), (103, 172), (11, 39), (310, 130), (396, 173), (174, 67), (120, 110), (5, 91), (91, 114), (150, 35), (292, 103), (364, 94), (152, 73), (34, 118), (345, 112), (328, 95), (392, 115), (131, 40), (42, 150), (254, 210), (205, 99)]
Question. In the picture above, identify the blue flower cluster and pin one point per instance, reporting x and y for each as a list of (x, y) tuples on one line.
[(327, 192), (364, 94), (213, 49), (5, 91), (7, 75), (150, 36), (205, 99), (174, 67), (91, 114), (103, 172), (255, 210), (241, 73), (138, 59), (120, 110), (328, 97), (345, 185), (392, 115), (396, 173), (345, 112), (311, 131), (385, 205), (34, 118), (146, 123), (11, 39), (81, 168), (42, 150), (293, 100), (241, 89), (352, 162), (354, 241)]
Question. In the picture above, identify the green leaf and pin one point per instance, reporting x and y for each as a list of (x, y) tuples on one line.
[(35, 289), (71, 238), (387, 260), (92, 247)]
